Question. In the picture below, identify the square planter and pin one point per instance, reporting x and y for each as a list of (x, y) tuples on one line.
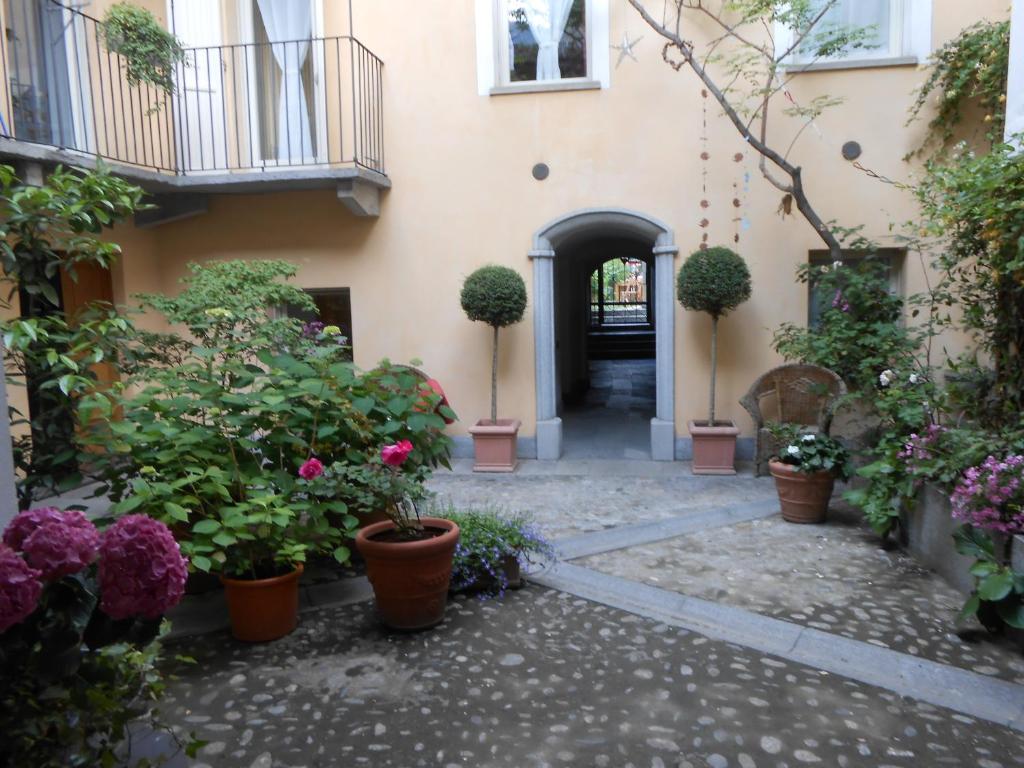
[(714, 448), (494, 445)]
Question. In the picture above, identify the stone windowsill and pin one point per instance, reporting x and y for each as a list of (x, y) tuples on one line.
[(826, 66), (546, 87)]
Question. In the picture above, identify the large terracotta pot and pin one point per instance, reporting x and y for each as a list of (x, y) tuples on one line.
[(804, 497), (263, 609), (495, 445), (714, 447), (410, 578)]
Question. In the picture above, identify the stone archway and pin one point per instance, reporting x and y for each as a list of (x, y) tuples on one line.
[(589, 223)]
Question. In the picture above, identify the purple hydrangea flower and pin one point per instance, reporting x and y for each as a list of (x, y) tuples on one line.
[(59, 548), (142, 571), (24, 523), (19, 589), (991, 496)]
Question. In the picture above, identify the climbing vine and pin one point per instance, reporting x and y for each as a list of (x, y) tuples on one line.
[(968, 70), (150, 52)]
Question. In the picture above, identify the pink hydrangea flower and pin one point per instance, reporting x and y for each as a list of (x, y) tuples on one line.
[(19, 589), (395, 455), (24, 523), (59, 548), (311, 469), (142, 571), (991, 496)]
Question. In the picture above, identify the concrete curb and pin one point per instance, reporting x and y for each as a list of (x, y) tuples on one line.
[(996, 701), (621, 537)]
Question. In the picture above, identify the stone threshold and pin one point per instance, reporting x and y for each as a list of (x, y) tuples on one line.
[(968, 693)]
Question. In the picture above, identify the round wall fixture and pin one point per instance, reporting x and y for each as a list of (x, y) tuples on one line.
[(541, 171), (851, 150)]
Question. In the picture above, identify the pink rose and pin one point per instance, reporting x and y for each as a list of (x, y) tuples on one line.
[(311, 469), (395, 455)]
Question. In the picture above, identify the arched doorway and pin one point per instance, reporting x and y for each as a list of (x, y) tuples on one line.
[(564, 237)]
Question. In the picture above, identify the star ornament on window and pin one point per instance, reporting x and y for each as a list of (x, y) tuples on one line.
[(626, 48)]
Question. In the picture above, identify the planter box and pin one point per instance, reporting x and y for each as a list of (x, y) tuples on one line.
[(495, 445), (714, 448), (929, 530)]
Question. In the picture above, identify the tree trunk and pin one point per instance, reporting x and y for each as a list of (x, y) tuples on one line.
[(494, 380), (714, 368)]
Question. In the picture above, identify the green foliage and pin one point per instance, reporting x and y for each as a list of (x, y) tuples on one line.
[(494, 295), (974, 206), (809, 452), (46, 231), (488, 540), (212, 442), (860, 331), (714, 280), (150, 52), (970, 69), (999, 590), (72, 680)]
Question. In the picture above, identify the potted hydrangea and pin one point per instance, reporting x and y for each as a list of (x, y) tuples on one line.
[(805, 472), (715, 281), (497, 296), (80, 614)]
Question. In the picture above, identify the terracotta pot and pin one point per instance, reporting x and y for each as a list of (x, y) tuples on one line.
[(714, 448), (263, 609), (410, 578), (804, 497), (494, 445)]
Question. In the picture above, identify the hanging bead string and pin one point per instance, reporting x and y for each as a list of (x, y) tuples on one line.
[(740, 193), (704, 157)]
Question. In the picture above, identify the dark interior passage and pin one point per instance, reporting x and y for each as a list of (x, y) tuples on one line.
[(613, 418)]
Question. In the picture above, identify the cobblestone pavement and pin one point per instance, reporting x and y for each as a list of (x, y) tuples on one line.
[(834, 577), (545, 679), (564, 505)]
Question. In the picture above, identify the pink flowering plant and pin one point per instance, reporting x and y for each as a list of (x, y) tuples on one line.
[(80, 620), (224, 444)]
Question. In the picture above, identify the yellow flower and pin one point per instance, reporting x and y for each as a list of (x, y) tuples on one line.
[(331, 330)]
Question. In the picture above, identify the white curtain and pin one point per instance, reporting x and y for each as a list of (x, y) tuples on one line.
[(859, 14), (547, 20), (291, 23)]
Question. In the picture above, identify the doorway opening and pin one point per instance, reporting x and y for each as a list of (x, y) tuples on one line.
[(607, 345)]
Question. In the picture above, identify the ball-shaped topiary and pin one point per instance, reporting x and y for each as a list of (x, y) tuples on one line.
[(494, 295), (715, 280)]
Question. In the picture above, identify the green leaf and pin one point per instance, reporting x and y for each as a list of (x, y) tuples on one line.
[(341, 554), (224, 539), (996, 587), (1012, 612), (206, 526), (201, 563), (176, 511), (970, 607), (127, 505)]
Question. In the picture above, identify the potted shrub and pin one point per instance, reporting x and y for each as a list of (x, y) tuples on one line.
[(80, 626), (492, 549), (805, 472), (716, 281), (496, 296), (408, 557)]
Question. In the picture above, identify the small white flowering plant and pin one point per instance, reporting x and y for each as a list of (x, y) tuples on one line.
[(810, 452)]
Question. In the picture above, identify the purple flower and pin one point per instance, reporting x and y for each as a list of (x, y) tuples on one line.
[(59, 548), (311, 469), (24, 523), (991, 497), (142, 572), (19, 589)]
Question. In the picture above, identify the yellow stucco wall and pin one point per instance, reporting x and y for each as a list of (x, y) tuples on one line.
[(463, 196)]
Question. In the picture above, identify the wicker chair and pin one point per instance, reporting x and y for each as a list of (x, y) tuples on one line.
[(797, 393)]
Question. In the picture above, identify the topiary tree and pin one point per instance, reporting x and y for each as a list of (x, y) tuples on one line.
[(716, 281), (496, 296)]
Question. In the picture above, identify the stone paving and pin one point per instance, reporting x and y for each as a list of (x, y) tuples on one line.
[(835, 577), (544, 679)]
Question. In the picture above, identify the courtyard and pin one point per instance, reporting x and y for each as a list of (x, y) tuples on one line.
[(684, 624)]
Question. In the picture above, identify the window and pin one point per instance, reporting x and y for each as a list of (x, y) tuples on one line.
[(896, 32), (335, 308), (891, 257), (618, 293), (538, 45)]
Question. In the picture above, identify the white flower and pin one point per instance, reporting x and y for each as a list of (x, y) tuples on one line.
[(886, 377), (808, 438), (836, 264), (793, 450), (914, 378)]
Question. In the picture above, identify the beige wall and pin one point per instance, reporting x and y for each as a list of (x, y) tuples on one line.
[(463, 196)]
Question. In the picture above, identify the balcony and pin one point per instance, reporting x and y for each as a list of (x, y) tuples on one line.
[(247, 117)]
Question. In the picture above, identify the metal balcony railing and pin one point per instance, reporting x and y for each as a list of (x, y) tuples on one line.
[(248, 106)]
